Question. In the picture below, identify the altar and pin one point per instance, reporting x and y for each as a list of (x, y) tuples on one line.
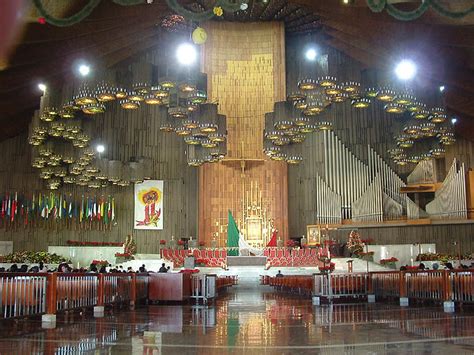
[(246, 260)]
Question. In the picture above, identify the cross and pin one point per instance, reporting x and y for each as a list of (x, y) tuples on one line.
[(242, 160)]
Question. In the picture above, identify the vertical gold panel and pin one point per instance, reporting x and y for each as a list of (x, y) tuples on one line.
[(245, 66)]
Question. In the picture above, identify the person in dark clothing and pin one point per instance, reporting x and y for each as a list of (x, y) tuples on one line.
[(142, 268), (92, 268), (279, 274), (23, 268), (13, 268), (163, 268), (102, 270)]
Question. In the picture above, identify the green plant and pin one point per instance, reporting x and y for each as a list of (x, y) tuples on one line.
[(32, 257)]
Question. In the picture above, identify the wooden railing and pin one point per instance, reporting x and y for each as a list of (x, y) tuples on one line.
[(300, 284), (223, 282), (341, 285), (22, 294), (26, 294), (434, 285)]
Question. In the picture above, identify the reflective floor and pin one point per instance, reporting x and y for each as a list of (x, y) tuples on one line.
[(250, 321)]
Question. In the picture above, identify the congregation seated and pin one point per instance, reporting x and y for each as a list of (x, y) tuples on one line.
[(163, 268)]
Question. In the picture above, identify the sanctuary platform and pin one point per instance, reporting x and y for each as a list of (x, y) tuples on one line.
[(246, 260)]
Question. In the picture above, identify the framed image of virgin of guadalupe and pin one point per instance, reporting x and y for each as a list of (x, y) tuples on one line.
[(148, 197), (313, 234)]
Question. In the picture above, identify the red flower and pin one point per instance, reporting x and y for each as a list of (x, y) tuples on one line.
[(41, 20), (202, 243), (162, 242), (389, 260), (180, 242)]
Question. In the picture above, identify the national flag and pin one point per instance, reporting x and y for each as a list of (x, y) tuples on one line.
[(273, 240), (112, 219), (232, 236), (70, 209)]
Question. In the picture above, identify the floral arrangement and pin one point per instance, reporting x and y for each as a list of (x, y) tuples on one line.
[(202, 243), (180, 242), (130, 247), (327, 267), (442, 257), (100, 262), (162, 242), (201, 262), (290, 243), (411, 268), (94, 244), (354, 243), (388, 261), (368, 241), (26, 257)]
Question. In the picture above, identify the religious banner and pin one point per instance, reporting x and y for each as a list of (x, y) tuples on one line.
[(149, 205)]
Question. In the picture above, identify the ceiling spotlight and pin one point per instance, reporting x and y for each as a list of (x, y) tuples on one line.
[(311, 54), (100, 148), (42, 87), (84, 69), (406, 70), (441, 88), (186, 54), (454, 120)]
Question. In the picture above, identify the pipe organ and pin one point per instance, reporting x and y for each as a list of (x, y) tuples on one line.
[(414, 211), (369, 207), (450, 199), (352, 189), (424, 172)]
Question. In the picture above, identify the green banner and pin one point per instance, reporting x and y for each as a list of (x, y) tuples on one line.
[(232, 236)]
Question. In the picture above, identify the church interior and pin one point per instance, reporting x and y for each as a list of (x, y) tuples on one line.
[(236, 176)]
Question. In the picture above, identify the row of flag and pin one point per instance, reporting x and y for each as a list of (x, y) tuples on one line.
[(19, 209)]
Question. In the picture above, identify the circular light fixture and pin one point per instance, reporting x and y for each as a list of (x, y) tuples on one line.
[(406, 69), (307, 84), (186, 54), (84, 69), (454, 120), (360, 103), (442, 88), (42, 87), (392, 107), (244, 6), (311, 54), (100, 148)]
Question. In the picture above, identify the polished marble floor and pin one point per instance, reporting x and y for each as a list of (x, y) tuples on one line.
[(250, 320)]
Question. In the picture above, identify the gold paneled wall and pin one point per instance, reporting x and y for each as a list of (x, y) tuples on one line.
[(246, 75)]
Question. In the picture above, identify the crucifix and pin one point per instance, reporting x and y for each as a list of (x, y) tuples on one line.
[(242, 160)]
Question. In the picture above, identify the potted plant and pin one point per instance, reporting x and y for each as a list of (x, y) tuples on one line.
[(327, 268), (368, 256), (389, 262)]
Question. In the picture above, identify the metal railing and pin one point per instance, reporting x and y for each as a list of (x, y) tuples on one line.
[(76, 291), (341, 285), (434, 285), (22, 294)]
